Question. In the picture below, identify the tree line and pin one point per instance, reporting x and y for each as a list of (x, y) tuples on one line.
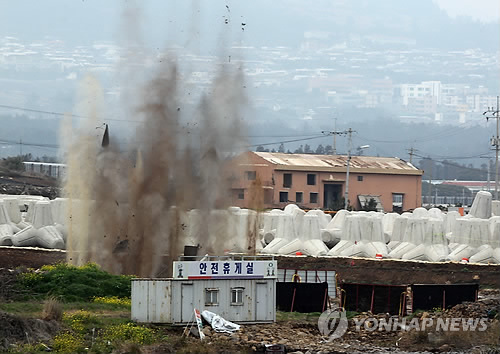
[(450, 170), (302, 149)]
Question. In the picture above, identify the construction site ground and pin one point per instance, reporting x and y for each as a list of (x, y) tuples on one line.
[(352, 270), (299, 333)]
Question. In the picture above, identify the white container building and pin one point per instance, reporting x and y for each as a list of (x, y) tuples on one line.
[(242, 291)]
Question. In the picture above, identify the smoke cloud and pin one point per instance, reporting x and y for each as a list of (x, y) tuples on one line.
[(129, 201)]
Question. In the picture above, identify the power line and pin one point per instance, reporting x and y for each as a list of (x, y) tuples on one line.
[(41, 145), (456, 157), (287, 141), (449, 163), (60, 114), (282, 136)]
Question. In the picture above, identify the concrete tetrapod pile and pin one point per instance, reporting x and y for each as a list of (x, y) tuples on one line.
[(35, 228), (424, 235)]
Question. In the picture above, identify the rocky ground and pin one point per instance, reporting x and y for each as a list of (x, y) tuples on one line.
[(15, 328), (21, 183), (298, 333), (303, 336), (27, 189)]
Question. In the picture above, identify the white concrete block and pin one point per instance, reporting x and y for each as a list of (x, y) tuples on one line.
[(481, 206)]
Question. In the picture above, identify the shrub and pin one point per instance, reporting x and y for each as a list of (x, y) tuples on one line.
[(52, 309), (79, 321), (129, 332), (67, 342), (129, 336), (112, 300), (71, 283)]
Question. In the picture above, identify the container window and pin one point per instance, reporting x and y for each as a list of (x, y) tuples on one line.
[(311, 179), (299, 197), (313, 198), (283, 197), (360, 178), (211, 297), (237, 296)]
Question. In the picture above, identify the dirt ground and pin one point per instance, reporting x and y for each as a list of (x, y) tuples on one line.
[(14, 182), (15, 329), (297, 332), (29, 257)]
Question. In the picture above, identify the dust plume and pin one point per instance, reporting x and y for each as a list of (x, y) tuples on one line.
[(133, 205)]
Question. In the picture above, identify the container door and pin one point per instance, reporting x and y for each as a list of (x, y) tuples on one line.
[(187, 302), (261, 301), (139, 296)]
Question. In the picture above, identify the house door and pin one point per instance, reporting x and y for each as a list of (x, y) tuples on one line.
[(187, 301), (332, 196), (261, 301)]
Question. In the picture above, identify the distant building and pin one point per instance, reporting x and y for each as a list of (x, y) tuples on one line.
[(473, 186), (427, 89), (319, 181), (55, 170)]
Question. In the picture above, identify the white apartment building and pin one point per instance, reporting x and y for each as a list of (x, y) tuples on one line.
[(410, 92), (478, 103)]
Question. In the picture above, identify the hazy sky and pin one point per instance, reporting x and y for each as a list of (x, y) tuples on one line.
[(486, 10)]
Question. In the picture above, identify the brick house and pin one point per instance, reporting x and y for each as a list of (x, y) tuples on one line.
[(318, 181)]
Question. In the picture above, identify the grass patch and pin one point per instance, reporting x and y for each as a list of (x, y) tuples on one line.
[(70, 283), (95, 306), (34, 308), (23, 308)]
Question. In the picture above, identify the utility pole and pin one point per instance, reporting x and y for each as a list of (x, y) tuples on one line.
[(349, 134), (429, 202), (349, 146), (495, 113), (334, 137), (411, 152), (488, 169), (489, 175), (21, 147), (334, 133)]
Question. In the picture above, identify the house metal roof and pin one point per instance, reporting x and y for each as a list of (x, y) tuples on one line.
[(337, 163)]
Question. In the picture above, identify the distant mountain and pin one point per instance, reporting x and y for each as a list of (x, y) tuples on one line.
[(266, 23), (420, 21)]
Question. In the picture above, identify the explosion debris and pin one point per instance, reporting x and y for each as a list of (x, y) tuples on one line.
[(127, 203)]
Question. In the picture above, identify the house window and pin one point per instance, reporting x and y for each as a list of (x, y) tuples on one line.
[(360, 178), (397, 198), (298, 197), (313, 198), (251, 175), (311, 179), (287, 180), (283, 197), (211, 297), (240, 193), (237, 296)]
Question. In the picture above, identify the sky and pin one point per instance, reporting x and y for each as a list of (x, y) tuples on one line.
[(484, 10)]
